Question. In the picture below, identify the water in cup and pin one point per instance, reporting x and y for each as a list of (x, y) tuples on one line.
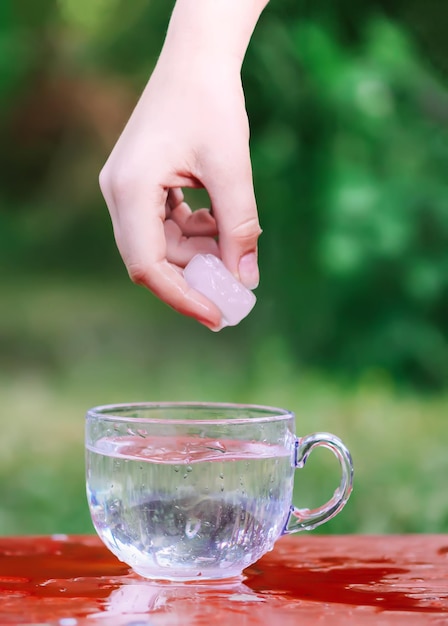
[(186, 506)]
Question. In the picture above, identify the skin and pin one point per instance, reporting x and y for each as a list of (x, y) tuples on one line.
[(189, 129)]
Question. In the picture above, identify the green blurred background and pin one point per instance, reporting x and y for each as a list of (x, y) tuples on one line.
[(348, 106)]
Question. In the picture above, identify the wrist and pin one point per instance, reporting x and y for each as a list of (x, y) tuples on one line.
[(217, 29)]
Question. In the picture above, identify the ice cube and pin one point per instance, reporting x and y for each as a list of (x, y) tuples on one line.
[(208, 275)]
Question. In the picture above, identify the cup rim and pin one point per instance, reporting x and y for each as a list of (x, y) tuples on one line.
[(105, 412)]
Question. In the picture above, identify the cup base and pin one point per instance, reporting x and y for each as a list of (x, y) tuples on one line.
[(196, 576)]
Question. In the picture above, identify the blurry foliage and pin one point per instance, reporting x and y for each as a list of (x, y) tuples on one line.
[(350, 149), (350, 153)]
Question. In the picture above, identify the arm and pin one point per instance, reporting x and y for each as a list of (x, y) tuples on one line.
[(188, 129)]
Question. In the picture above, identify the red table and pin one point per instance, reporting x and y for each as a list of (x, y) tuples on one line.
[(307, 580)]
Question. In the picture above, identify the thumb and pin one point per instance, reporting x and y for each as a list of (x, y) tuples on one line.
[(235, 210)]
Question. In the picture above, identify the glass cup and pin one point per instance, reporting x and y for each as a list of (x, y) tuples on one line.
[(195, 491)]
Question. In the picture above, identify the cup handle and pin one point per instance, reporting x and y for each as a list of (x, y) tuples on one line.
[(307, 519)]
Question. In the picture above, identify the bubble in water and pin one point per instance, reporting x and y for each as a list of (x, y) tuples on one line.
[(114, 505), (176, 468), (189, 469), (221, 476), (192, 527), (216, 446)]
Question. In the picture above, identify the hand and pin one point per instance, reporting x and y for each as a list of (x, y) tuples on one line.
[(189, 129)]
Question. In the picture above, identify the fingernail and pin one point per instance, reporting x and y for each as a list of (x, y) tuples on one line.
[(214, 329), (213, 326), (248, 270)]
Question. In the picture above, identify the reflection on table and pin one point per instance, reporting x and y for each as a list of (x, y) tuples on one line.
[(76, 581)]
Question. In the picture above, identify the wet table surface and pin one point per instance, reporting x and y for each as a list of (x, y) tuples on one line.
[(306, 580)]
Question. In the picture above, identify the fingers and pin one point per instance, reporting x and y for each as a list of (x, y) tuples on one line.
[(187, 233), (197, 223), (181, 249), (138, 218), (194, 223), (235, 211), (168, 284)]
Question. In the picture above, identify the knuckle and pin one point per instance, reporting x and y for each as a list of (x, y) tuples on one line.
[(137, 273), (104, 179), (117, 184), (247, 231), (122, 186)]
